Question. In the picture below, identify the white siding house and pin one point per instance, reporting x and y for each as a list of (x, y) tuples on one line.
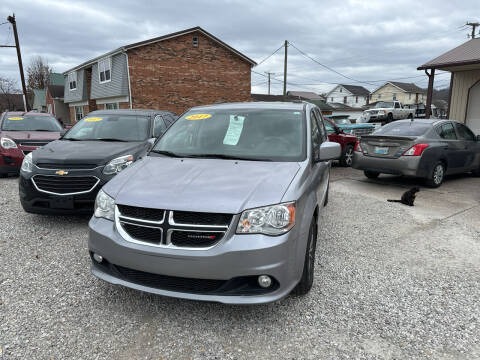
[(351, 95)]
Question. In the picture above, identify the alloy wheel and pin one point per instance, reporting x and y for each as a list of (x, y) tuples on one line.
[(438, 174), (349, 157)]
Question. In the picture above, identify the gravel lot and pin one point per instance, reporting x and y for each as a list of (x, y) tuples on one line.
[(391, 282)]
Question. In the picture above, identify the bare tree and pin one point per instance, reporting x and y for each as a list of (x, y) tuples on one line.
[(38, 73), (9, 94)]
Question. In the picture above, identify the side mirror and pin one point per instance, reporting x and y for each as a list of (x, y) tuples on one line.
[(330, 151), (151, 141)]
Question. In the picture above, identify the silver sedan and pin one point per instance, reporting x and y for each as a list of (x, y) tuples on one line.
[(427, 148)]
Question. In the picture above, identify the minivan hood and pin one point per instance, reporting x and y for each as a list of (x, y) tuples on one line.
[(31, 135), (203, 185), (84, 152)]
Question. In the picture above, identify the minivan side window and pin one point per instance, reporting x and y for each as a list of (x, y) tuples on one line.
[(446, 131), (464, 132), (159, 126), (321, 126), (316, 135)]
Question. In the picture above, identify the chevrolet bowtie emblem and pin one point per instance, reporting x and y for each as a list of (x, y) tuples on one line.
[(61, 172)]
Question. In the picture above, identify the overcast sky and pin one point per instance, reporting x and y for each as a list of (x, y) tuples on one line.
[(370, 41)]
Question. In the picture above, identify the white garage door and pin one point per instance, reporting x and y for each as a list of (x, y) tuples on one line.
[(473, 110)]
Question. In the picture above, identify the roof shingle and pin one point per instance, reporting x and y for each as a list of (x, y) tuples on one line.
[(464, 54)]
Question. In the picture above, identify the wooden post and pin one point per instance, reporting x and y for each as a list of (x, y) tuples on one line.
[(431, 76), (450, 95)]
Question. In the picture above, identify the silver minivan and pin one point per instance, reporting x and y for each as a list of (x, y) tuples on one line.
[(224, 208)]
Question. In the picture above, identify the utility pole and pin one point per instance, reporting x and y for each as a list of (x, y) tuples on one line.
[(474, 26), (11, 19), (285, 69), (269, 74)]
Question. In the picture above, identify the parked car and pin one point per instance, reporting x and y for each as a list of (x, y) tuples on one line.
[(224, 208), (428, 149), (65, 175), (386, 112), (346, 141), (346, 125), (20, 134)]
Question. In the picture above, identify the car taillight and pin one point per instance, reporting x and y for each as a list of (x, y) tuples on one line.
[(415, 150), (358, 146)]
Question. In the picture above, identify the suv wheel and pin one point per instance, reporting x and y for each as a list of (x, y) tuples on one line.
[(389, 118), (437, 175), (347, 157), (371, 174), (306, 282)]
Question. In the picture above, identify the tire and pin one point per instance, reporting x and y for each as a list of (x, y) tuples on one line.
[(325, 202), (389, 118), (371, 174), (436, 175), (306, 281), (410, 117), (347, 158)]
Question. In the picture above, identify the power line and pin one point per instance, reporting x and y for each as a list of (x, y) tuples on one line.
[(269, 56)]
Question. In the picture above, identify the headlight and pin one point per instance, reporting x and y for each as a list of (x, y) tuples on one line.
[(7, 143), (268, 220), (27, 164), (104, 206), (118, 164)]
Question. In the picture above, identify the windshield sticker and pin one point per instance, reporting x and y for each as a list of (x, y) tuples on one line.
[(234, 130), (198, 117), (93, 119), (15, 118)]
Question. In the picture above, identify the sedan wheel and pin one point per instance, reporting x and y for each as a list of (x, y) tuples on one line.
[(347, 158), (437, 176)]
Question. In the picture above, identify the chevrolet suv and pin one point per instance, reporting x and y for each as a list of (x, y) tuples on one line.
[(65, 176), (224, 208)]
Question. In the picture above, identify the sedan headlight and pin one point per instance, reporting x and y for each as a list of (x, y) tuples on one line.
[(268, 220), (27, 164), (7, 143), (118, 164), (104, 206)]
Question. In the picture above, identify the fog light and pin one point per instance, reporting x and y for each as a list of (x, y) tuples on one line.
[(264, 281), (97, 258)]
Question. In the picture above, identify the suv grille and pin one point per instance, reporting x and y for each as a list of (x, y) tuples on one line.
[(65, 184), (66, 166), (36, 143), (168, 228)]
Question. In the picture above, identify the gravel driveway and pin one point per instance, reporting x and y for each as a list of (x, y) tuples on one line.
[(391, 282)]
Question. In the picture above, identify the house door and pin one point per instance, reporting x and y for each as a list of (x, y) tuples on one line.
[(473, 110)]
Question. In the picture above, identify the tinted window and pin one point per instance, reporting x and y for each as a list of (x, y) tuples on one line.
[(316, 136), (410, 128), (446, 131), (321, 128), (277, 135), (30, 123), (159, 126), (121, 127), (329, 126), (464, 132), (397, 105)]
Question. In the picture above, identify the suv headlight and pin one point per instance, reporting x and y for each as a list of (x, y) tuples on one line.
[(104, 206), (118, 164), (27, 164), (7, 143), (269, 220)]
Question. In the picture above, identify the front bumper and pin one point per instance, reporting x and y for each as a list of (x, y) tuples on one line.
[(10, 161), (234, 257), (36, 201), (404, 165)]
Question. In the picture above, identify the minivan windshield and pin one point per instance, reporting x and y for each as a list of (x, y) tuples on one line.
[(30, 123), (110, 127), (384, 104), (250, 134), (404, 128)]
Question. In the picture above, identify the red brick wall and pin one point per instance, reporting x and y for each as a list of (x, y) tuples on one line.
[(72, 113), (124, 105), (174, 75)]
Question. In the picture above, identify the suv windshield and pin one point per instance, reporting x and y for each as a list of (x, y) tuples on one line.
[(342, 121), (255, 134), (410, 128), (110, 127), (384, 104), (30, 123)]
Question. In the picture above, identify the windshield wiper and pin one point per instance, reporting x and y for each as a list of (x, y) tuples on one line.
[(166, 153), (227, 157), (41, 130)]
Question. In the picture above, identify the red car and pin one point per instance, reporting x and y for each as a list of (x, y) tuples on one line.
[(20, 134), (347, 141)]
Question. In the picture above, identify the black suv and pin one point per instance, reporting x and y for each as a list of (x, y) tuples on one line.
[(64, 176)]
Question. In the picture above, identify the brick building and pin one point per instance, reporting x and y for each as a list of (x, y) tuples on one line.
[(172, 72)]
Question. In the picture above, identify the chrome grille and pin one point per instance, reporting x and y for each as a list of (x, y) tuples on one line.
[(172, 229), (64, 185), (55, 166)]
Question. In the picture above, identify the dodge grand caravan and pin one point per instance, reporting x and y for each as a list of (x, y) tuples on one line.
[(224, 208)]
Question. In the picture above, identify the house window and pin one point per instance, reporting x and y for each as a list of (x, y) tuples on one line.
[(111, 106), (104, 70), (340, 89), (195, 41), (409, 96), (379, 96), (344, 99), (331, 99), (78, 113), (356, 99), (394, 96), (72, 80)]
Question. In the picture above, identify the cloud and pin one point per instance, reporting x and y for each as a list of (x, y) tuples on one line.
[(365, 40)]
